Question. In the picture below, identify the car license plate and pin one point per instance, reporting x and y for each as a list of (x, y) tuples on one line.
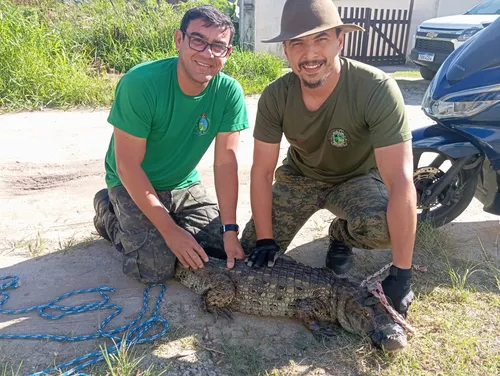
[(426, 57)]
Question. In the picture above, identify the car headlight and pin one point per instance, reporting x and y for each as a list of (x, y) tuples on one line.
[(462, 104), (467, 34)]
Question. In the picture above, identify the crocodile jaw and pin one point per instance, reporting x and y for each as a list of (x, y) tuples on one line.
[(390, 337)]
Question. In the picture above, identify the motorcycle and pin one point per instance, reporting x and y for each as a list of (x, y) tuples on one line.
[(458, 157)]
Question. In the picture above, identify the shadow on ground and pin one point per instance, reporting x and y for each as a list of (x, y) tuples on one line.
[(194, 345), (458, 246)]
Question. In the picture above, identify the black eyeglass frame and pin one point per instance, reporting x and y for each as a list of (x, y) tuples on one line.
[(211, 45)]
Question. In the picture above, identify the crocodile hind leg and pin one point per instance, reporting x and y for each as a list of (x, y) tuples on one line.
[(217, 298), (314, 314)]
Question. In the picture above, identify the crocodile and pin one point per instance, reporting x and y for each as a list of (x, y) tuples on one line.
[(318, 298)]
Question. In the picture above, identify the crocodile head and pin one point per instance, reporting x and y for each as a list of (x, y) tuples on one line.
[(366, 316)]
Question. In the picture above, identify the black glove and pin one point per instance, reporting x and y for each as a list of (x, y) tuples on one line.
[(266, 251), (397, 289)]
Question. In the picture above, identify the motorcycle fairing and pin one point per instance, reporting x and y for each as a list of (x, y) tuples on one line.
[(459, 141)]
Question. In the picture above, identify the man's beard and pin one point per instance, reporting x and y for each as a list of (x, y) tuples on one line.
[(318, 83), (315, 84)]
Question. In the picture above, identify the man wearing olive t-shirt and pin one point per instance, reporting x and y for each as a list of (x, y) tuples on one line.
[(350, 152), (165, 116)]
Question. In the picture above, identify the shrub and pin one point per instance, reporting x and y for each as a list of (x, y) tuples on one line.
[(39, 68), (59, 53), (254, 70)]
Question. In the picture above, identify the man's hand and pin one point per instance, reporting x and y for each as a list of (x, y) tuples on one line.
[(397, 289), (266, 251), (233, 249), (186, 248)]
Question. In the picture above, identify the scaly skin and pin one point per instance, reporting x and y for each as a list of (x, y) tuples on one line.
[(290, 289)]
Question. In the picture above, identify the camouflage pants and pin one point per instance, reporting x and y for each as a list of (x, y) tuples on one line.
[(146, 256), (360, 207)]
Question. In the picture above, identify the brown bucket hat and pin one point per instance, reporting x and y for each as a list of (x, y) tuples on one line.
[(305, 17)]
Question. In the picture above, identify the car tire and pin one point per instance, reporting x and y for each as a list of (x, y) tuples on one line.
[(427, 74)]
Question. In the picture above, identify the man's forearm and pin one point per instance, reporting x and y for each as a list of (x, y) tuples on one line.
[(261, 198), (402, 222), (143, 194), (226, 188)]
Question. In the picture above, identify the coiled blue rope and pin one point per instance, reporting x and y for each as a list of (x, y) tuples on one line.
[(135, 335)]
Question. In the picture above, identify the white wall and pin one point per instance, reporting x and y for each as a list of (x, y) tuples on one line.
[(267, 25), (268, 15)]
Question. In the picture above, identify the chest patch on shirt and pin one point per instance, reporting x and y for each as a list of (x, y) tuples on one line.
[(202, 127), (339, 138)]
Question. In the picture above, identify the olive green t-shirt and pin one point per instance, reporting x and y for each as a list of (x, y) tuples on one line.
[(178, 128), (336, 142)]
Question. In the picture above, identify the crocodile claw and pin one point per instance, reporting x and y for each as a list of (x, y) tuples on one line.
[(322, 330), (216, 311), (224, 312)]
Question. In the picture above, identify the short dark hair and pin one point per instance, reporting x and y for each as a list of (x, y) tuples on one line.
[(211, 17)]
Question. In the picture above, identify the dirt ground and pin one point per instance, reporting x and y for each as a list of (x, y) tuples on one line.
[(51, 164)]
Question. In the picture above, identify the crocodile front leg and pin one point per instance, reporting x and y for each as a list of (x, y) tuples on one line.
[(315, 315), (218, 296)]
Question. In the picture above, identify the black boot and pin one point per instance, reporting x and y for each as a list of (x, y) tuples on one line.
[(101, 205), (339, 257)]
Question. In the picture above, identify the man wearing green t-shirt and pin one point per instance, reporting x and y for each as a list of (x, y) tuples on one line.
[(350, 152), (165, 116)]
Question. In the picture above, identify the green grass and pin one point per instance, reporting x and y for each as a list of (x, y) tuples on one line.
[(409, 73), (10, 370), (33, 246), (39, 67), (69, 244), (126, 362), (430, 239), (61, 54), (254, 70)]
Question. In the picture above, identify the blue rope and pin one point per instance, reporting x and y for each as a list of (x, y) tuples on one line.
[(135, 335)]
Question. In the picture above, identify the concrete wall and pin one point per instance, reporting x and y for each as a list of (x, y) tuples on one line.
[(268, 20), (247, 23), (268, 15)]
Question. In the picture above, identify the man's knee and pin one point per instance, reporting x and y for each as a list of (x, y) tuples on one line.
[(374, 231), (147, 258), (146, 269), (248, 237)]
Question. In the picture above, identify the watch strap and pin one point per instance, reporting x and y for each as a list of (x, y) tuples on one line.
[(229, 227)]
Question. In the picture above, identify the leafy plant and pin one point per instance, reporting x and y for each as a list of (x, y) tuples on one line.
[(71, 53)]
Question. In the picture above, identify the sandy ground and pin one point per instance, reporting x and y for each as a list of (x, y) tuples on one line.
[(51, 164)]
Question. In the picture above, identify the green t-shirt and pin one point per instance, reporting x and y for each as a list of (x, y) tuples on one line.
[(179, 128), (336, 142)]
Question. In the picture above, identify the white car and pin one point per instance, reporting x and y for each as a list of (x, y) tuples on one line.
[(437, 38)]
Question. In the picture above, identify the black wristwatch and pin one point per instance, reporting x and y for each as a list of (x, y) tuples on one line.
[(231, 227)]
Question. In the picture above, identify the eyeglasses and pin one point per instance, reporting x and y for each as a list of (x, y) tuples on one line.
[(200, 45)]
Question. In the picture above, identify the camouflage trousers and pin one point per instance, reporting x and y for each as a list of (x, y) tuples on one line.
[(360, 207), (146, 256)]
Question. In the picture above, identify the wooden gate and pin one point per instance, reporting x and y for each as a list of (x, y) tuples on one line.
[(386, 35)]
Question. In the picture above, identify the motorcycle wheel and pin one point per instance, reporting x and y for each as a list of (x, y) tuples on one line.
[(429, 167)]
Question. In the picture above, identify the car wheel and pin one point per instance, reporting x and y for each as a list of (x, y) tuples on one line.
[(427, 74)]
